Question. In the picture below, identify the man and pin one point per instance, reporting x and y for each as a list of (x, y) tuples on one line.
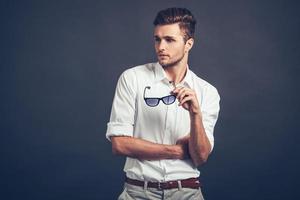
[(163, 116)]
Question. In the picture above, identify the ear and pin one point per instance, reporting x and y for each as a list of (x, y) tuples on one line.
[(189, 44)]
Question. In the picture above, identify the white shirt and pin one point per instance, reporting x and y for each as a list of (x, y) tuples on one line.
[(163, 124)]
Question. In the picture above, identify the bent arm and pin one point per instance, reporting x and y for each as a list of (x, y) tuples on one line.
[(145, 150), (199, 145)]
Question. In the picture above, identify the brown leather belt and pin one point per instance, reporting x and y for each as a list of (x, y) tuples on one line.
[(193, 183)]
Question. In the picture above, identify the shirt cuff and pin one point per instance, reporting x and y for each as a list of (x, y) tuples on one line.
[(119, 129)]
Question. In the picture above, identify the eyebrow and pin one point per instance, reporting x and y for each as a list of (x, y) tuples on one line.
[(165, 37)]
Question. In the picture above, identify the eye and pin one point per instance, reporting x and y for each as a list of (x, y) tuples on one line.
[(170, 40), (157, 39)]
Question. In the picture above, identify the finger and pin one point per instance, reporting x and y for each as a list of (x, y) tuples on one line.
[(185, 99), (180, 90), (177, 89), (184, 93), (184, 89)]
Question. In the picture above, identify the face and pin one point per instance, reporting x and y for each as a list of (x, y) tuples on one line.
[(170, 46)]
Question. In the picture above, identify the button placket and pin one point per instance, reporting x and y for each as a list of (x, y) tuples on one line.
[(169, 121)]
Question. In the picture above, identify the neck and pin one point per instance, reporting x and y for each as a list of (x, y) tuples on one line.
[(176, 73)]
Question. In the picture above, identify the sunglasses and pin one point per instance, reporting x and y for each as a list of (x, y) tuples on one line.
[(152, 101)]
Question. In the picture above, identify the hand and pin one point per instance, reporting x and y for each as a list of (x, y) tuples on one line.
[(183, 143), (187, 99)]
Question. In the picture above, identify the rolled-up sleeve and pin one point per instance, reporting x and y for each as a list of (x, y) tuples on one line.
[(121, 121), (210, 112)]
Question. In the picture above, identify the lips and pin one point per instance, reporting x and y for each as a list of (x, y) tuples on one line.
[(163, 55)]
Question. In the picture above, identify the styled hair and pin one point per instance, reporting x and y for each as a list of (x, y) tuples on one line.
[(182, 16)]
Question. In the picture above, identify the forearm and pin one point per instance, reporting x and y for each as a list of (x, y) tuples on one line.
[(199, 145), (145, 150)]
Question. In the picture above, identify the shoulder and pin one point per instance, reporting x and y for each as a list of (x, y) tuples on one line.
[(204, 85), (144, 68), (134, 75), (138, 71)]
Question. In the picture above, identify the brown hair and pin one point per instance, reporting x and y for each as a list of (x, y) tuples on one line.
[(182, 16)]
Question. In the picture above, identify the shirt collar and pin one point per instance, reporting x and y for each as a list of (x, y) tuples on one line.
[(160, 75)]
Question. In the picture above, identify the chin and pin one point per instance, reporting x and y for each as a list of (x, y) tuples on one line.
[(163, 62), (166, 64)]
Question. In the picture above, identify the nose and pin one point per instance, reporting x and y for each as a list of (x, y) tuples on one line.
[(161, 46)]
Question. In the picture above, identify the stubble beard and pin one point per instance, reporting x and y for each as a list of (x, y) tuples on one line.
[(171, 64)]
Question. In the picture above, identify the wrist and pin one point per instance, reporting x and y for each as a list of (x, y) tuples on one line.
[(177, 151), (196, 115)]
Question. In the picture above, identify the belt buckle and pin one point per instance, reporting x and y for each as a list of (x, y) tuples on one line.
[(159, 186)]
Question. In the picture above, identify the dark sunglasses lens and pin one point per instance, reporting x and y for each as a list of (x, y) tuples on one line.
[(151, 101), (169, 99)]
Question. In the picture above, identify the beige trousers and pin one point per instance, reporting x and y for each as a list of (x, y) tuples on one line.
[(132, 192)]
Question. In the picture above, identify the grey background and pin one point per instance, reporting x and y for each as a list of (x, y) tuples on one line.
[(60, 61)]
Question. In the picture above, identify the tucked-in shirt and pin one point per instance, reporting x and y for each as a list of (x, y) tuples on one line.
[(162, 124)]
